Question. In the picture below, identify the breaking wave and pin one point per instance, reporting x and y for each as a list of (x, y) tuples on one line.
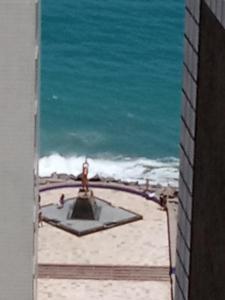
[(159, 171)]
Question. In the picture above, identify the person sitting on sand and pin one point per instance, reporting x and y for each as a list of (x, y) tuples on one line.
[(61, 201), (151, 196)]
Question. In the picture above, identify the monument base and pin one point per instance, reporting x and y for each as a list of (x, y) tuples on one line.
[(84, 206), (107, 217)]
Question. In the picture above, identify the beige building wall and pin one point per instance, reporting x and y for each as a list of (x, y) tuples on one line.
[(18, 158)]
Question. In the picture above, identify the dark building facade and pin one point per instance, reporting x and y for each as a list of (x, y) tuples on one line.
[(200, 265)]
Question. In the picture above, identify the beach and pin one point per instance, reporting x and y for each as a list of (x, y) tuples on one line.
[(144, 243)]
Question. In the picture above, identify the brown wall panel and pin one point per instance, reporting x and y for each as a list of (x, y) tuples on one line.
[(207, 269)]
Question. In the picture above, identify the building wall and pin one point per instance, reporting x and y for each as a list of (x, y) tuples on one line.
[(208, 221), (200, 241), (18, 159), (187, 147)]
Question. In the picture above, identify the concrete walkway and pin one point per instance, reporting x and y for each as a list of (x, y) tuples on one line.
[(58, 289), (172, 211)]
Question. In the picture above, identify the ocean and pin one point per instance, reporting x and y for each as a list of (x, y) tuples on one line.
[(111, 75)]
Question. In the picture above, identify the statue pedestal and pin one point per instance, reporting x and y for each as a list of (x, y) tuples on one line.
[(84, 207), (84, 215)]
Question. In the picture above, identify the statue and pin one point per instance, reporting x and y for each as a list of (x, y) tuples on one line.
[(85, 206), (85, 176)]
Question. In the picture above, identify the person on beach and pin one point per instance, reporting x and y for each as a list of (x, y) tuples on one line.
[(61, 201), (151, 196), (163, 201), (147, 185), (40, 219)]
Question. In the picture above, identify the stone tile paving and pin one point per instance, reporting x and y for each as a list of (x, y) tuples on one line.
[(102, 290)]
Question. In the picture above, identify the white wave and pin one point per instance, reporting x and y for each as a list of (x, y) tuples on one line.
[(162, 172)]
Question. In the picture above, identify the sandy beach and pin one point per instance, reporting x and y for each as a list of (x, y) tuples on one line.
[(141, 243)]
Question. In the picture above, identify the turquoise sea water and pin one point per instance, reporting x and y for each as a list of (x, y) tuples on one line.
[(110, 86)]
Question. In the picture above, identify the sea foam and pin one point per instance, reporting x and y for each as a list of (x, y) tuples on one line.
[(164, 171)]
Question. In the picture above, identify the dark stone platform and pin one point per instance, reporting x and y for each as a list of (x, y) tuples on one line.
[(107, 216), (84, 207)]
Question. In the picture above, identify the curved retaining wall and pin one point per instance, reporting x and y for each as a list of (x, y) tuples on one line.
[(99, 186)]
